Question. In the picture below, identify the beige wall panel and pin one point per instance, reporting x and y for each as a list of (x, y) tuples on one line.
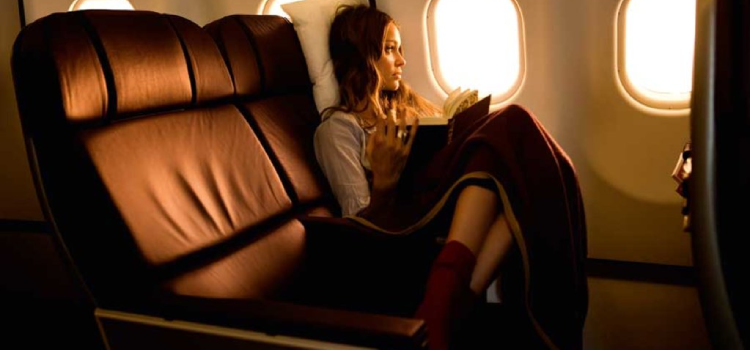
[(624, 155), (198, 11), (18, 199)]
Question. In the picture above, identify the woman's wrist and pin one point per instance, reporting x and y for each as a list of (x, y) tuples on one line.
[(383, 187), (381, 203)]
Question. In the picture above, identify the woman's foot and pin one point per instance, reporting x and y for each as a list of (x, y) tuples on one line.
[(448, 297)]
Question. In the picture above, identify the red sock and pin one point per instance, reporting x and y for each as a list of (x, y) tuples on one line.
[(448, 297)]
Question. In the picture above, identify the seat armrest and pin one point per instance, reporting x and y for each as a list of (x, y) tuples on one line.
[(350, 266), (280, 318), (334, 238), (327, 228)]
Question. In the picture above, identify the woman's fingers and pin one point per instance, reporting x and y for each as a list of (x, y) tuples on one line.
[(371, 145), (412, 133), (379, 128), (391, 132), (402, 132)]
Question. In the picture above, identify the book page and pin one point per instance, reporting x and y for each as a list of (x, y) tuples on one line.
[(450, 101), (464, 100), (471, 114), (458, 100), (433, 120)]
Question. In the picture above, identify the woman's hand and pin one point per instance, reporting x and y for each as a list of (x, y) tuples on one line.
[(388, 149)]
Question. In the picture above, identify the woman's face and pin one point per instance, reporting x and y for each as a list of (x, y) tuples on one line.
[(392, 60)]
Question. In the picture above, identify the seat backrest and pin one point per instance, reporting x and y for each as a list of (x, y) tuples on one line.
[(273, 88), (161, 168)]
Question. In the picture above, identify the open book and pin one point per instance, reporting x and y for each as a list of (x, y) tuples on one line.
[(456, 102), (461, 108)]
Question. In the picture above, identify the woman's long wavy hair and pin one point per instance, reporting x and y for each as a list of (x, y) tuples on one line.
[(356, 42)]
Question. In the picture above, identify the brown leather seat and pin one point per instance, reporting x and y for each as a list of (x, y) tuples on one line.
[(176, 166), (274, 91)]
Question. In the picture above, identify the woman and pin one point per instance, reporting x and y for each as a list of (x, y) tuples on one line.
[(364, 154)]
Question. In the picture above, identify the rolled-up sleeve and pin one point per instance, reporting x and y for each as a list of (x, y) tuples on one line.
[(339, 142)]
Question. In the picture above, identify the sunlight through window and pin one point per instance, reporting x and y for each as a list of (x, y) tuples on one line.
[(657, 45), (273, 7), (477, 44), (100, 4)]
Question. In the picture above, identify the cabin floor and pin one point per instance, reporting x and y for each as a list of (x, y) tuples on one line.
[(643, 315)]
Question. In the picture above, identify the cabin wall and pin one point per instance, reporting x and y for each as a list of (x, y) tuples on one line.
[(624, 154), (200, 12), (18, 199)]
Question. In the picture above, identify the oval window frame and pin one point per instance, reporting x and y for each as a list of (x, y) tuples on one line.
[(434, 59), (264, 8), (77, 4), (655, 102)]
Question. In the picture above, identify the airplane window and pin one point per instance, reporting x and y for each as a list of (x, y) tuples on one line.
[(273, 7), (477, 44), (655, 51), (100, 4)]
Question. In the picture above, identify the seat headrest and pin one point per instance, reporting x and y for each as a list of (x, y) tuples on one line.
[(263, 54), (98, 64)]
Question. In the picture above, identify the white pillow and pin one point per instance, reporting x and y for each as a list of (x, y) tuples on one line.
[(312, 21)]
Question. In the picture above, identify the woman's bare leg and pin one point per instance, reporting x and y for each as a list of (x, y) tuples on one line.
[(496, 246), (449, 297), (477, 225), (476, 209)]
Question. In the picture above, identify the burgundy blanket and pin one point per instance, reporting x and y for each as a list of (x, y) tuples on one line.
[(510, 152)]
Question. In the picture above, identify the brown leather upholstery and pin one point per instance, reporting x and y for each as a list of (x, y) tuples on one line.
[(184, 172), (271, 46), (177, 160)]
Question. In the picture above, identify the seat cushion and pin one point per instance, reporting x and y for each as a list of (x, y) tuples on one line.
[(257, 263), (186, 180)]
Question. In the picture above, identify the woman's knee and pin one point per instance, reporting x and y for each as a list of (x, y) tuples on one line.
[(478, 194), (519, 113), (514, 117)]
